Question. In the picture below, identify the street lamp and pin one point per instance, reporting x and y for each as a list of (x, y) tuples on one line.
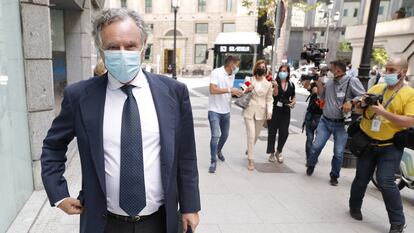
[(175, 4), (364, 67), (328, 18)]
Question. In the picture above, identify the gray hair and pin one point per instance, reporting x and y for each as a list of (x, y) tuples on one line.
[(109, 16)]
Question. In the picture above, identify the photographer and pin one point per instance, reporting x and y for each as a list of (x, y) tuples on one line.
[(339, 94), (313, 111), (379, 125)]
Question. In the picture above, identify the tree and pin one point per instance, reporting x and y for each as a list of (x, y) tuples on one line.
[(379, 56), (345, 46), (269, 6)]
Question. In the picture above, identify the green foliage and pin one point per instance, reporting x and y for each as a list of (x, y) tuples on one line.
[(270, 6), (345, 46), (379, 56)]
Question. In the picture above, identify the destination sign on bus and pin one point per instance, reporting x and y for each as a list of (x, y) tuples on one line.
[(235, 48)]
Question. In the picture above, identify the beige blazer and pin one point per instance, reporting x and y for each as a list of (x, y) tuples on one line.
[(261, 102)]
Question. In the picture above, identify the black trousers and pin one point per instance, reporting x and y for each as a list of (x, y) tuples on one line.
[(279, 124), (156, 223)]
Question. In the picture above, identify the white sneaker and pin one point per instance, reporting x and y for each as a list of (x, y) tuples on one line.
[(279, 157), (272, 158)]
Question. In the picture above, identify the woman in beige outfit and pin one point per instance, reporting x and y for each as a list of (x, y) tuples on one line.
[(259, 109)]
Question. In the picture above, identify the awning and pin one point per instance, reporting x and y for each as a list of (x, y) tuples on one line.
[(237, 38)]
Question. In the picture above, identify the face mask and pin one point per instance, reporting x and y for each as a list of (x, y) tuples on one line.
[(330, 75), (123, 65), (325, 79), (391, 79), (235, 70), (260, 71), (283, 75)]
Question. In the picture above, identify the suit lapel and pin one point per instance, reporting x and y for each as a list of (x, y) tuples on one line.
[(92, 109), (164, 105)]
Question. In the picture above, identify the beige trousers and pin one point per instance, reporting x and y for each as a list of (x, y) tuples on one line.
[(253, 128)]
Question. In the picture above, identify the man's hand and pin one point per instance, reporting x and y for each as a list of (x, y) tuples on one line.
[(347, 107), (378, 109), (274, 84), (306, 84), (236, 92), (71, 206), (190, 220)]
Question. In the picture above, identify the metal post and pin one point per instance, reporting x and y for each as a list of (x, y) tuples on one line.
[(327, 27), (277, 34), (174, 70), (364, 67)]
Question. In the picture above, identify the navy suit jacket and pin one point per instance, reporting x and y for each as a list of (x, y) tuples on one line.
[(81, 116)]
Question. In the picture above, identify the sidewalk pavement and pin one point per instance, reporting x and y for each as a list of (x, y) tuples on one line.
[(234, 200)]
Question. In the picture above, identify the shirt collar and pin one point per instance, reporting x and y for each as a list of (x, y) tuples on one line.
[(138, 81), (225, 72)]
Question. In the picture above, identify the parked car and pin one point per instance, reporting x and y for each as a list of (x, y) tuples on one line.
[(303, 70)]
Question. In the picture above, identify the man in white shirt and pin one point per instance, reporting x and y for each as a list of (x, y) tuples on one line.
[(135, 136), (219, 104)]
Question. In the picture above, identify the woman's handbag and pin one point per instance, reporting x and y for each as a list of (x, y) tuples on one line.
[(243, 102)]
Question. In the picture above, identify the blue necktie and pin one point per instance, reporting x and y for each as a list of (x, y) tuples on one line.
[(132, 197)]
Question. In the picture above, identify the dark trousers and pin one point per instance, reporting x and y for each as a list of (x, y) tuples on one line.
[(156, 223), (311, 124), (387, 160), (279, 124)]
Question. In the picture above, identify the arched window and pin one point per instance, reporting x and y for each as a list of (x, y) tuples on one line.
[(171, 33)]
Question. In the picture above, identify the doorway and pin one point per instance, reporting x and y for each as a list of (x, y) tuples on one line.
[(168, 60)]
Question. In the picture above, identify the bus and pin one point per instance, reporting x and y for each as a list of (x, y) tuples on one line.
[(241, 44)]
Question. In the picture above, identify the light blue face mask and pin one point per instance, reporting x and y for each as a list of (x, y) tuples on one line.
[(391, 79), (283, 75), (123, 65), (235, 70)]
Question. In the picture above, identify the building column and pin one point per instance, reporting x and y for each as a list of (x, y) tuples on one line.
[(37, 52), (78, 42)]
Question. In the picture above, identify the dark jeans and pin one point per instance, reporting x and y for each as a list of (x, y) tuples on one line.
[(280, 122), (219, 125), (311, 124), (154, 224), (386, 160), (325, 129)]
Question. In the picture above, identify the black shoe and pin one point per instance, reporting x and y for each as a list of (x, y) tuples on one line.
[(356, 214), (397, 228), (221, 156), (334, 181), (212, 168), (309, 170)]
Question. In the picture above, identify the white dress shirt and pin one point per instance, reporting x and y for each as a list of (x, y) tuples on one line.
[(114, 103)]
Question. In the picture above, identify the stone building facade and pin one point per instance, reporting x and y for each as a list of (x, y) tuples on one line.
[(44, 46), (198, 24)]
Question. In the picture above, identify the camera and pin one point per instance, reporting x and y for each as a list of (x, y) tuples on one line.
[(312, 52), (372, 99), (309, 77), (347, 117)]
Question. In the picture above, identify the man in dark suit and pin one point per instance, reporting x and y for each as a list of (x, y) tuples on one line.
[(135, 136)]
